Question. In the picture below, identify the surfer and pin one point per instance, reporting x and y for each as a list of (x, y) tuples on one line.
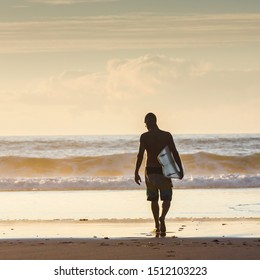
[(153, 142)]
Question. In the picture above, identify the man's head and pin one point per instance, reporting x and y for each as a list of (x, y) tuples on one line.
[(150, 120)]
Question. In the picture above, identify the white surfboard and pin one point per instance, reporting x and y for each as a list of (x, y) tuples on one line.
[(169, 166)]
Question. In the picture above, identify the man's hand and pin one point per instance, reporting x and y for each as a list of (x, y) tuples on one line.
[(137, 179)]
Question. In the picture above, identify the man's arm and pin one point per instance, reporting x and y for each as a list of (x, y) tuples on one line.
[(139, 161), (176, 155)]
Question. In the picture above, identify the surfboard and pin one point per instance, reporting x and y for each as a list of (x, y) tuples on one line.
[(169, 166)]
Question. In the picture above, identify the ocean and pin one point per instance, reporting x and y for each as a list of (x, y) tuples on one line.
[(92, 178), (30, 163)]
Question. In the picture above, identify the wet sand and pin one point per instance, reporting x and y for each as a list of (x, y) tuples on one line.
[(203, 239), (131, 249)]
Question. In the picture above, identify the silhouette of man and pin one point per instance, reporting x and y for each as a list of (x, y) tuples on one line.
[(153, 142)]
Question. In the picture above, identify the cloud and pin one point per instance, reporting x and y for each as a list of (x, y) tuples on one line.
[(125, 80), (156, 81), (146, 31), (149, 77), (183, 92)]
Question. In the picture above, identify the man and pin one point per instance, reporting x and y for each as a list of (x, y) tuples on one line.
[(153, 142)]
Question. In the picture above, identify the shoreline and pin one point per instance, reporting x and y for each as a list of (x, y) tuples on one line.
[(181, 228)]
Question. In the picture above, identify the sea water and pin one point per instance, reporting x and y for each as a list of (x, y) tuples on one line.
[(215, 166)]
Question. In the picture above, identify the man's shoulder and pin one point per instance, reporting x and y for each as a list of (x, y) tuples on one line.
[(166, 133), (161, 133), (144, 135)]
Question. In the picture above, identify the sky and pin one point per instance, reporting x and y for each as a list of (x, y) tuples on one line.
[(79, 67)]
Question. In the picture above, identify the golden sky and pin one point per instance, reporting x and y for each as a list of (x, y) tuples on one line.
[(98, 66)]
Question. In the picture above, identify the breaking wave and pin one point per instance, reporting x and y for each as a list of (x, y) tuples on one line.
[(111, 172), (122, 165)]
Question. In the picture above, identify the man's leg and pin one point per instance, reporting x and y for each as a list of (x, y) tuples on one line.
[(153, 196), (155, 210), (165, 208), (166, 197)]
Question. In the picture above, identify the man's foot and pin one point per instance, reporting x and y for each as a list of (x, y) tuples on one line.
[(162, 225), (163, 234)]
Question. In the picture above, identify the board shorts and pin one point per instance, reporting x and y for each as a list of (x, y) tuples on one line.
[(155, 183)]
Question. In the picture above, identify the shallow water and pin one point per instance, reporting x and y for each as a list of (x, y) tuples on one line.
[(127, 205)]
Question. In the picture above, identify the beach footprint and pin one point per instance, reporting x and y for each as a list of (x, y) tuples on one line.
[(170, 254), (182, 227)]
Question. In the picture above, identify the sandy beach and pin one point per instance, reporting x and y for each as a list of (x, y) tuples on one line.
[(217, 239), (131, 249)]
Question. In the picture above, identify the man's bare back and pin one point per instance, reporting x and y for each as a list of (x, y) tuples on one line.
[(154, 141)]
